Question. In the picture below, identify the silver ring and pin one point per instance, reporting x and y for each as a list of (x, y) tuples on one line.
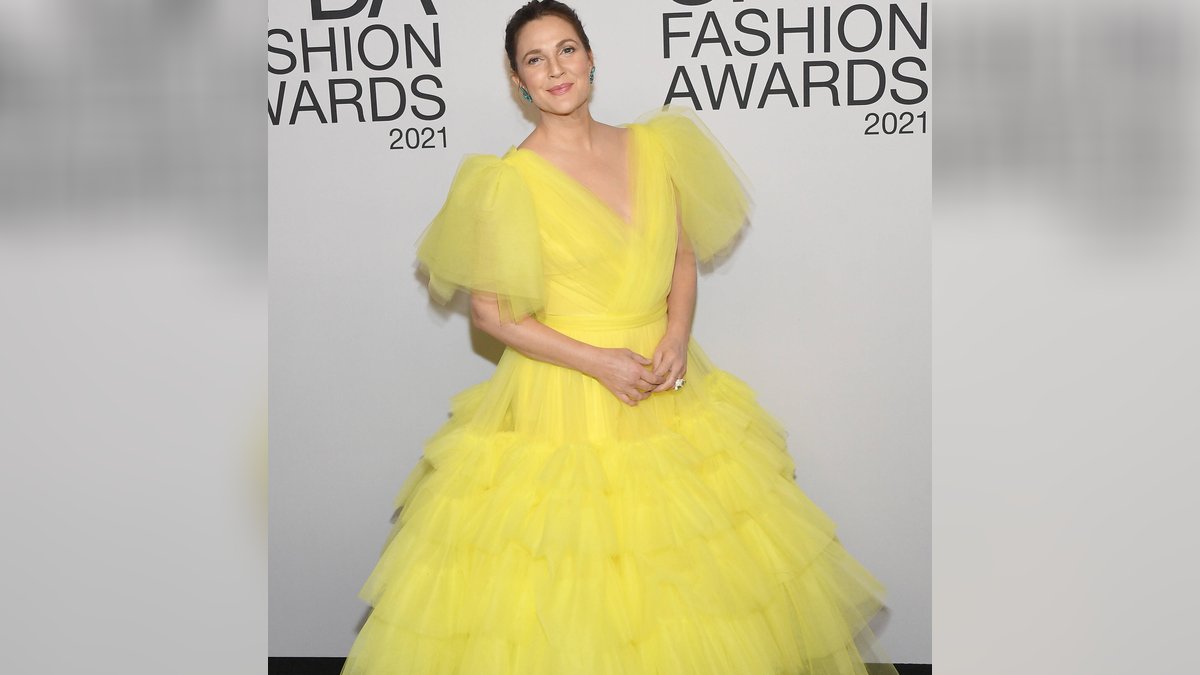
[(679, 383)]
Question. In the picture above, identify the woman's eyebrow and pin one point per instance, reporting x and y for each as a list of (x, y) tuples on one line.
[(538, 49)]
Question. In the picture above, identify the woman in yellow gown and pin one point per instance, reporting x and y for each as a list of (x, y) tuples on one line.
[(609, 502)]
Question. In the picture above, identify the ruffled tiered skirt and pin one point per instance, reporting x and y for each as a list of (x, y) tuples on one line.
[(549, 529)]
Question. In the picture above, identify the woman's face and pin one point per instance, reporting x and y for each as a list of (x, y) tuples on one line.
[(553, 65)]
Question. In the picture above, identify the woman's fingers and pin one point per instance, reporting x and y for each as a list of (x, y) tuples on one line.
[(641, 374), (661, 364), (668, 382), (659, 381), (678, 371), (665, 368), (649, 380), (639, 358)]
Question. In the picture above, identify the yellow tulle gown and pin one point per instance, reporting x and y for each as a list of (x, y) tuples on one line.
[(550, 529)]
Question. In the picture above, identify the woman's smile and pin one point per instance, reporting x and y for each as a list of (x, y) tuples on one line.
[(561, 89)]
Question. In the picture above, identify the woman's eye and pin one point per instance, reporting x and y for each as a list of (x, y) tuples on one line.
[(569, 50)]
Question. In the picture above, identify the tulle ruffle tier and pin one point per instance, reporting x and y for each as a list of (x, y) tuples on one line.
[(689, 551)]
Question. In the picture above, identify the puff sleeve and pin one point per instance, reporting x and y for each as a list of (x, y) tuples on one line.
[(485, 238), (714, 198)]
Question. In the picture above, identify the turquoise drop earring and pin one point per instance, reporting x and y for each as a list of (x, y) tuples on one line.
[(592, 75), (525, 95)]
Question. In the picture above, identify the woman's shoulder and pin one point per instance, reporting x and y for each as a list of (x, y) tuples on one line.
[(713, 190), (483, 165), (482, 161), (482, 180), (674, 125), (665, 113), (689, 146)]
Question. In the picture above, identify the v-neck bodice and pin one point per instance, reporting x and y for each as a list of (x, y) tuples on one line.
[(631, 178), (593, 258), (521, 228)]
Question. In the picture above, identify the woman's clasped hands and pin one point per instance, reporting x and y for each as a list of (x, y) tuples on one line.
[(632, 377)]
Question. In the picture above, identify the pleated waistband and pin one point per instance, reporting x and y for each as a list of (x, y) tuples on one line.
[(604, 321)]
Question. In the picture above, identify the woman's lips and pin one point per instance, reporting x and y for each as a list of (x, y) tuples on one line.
[(561, 89)]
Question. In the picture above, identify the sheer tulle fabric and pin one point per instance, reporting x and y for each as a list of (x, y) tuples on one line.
[(549, 529), (486, 235), (485, 238), (714, 195)]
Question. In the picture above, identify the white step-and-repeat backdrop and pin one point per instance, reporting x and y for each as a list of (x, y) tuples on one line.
[(824, 307)]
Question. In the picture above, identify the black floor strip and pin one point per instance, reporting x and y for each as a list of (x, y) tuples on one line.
[(287, 665)]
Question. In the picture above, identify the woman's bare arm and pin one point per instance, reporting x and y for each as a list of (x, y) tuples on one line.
[(622, 371), (670, 357), (681, 301), (530, 336)]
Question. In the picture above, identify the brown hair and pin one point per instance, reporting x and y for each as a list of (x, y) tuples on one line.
[(536, 9)]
